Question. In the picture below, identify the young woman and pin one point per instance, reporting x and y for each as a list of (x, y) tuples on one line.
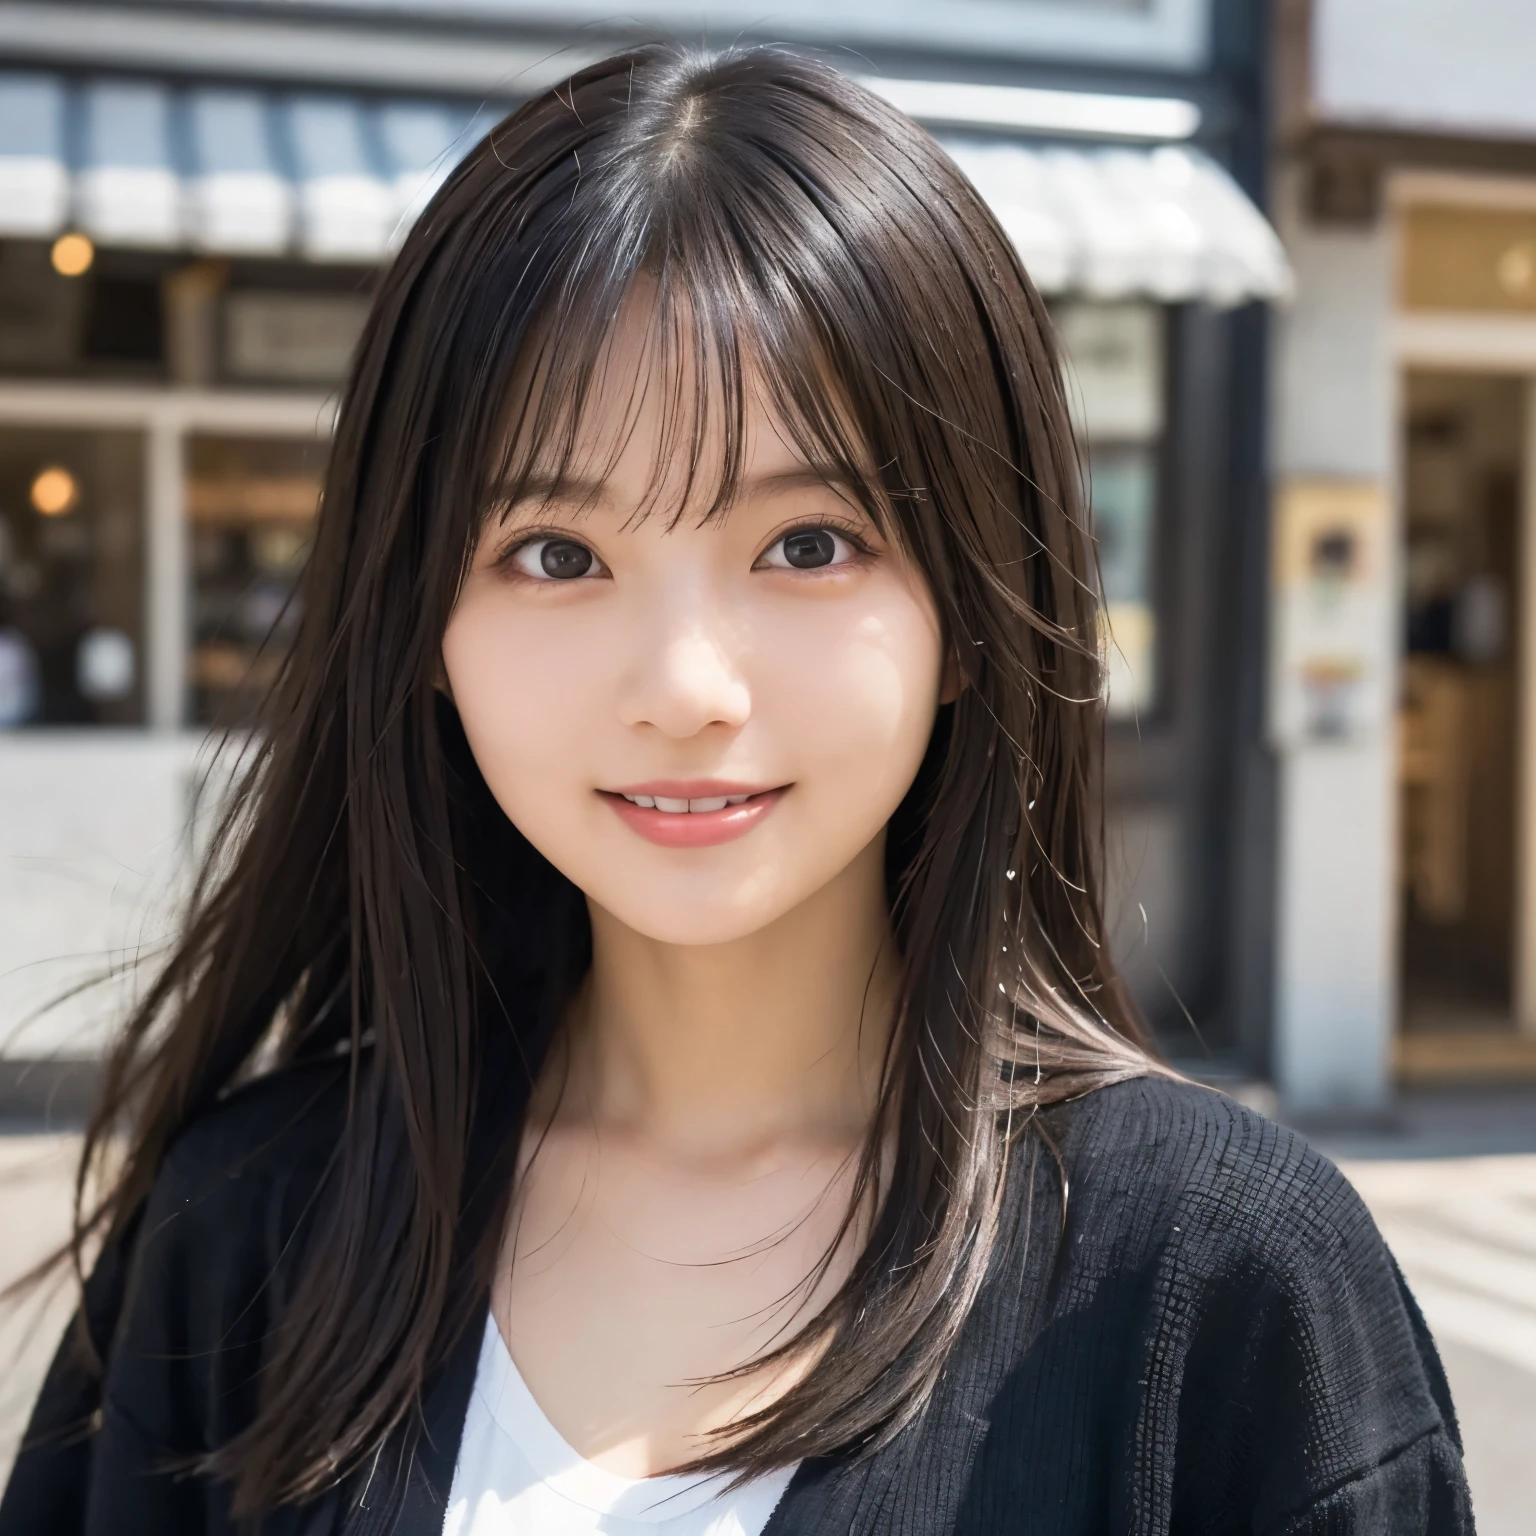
[(645, 1056)]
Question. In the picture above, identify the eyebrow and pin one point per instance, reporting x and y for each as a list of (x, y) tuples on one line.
[(591, 494)]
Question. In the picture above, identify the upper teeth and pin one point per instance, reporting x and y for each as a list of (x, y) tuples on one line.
[(681, 807)]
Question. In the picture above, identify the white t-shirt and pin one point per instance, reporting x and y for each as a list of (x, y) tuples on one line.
[(516, 1476)]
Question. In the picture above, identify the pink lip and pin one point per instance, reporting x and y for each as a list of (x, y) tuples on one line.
[(693, 829)]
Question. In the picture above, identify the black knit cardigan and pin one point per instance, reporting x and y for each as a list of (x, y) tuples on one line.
[(1205, 1335)]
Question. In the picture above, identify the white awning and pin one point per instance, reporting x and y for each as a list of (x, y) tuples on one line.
[(127, 191), (236, 198), (34, 181), (222, 170), (413, 136), (237, 171), (1113, 222), (347, 210)]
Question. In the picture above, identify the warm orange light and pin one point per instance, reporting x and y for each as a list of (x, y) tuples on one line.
[(54, 491), (1516, 270), (72, 255)]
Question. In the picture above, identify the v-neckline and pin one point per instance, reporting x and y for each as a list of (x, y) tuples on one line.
[(512, 1405)]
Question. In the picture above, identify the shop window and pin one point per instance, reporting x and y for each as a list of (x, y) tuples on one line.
[(41, 313), (104, 318), (124, 314), (291, 337), (1124, 491), (252, 506), (1459, 765), (1116, 355), (71, 578), (123, 322)]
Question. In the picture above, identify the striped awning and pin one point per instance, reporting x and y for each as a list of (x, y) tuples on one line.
[(1113, 222), (218, 169), (330, 177)]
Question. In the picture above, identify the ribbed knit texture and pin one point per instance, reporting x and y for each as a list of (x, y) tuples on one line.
[(1207, 1336), (1214, 1339)]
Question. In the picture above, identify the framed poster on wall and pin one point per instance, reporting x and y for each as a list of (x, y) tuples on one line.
[(1332, 605)]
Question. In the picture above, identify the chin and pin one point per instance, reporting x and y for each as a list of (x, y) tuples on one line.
[(693, 928), (709, 917)]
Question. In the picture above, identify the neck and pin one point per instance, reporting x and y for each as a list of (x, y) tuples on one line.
[(724, 1050)]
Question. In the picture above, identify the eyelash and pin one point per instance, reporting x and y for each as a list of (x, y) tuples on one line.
[(531, 540), (850, 535)]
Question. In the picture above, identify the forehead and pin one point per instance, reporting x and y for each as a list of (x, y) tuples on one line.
[(666, 418)]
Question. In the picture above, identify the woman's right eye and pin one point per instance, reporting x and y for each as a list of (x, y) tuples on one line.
[(555, 560)]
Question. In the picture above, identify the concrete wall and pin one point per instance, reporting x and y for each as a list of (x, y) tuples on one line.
[(93, 855), (1335, 414), (1459, 66)]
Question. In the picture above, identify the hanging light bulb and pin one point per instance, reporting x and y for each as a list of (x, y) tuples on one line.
[(54, 491), (72, 255)]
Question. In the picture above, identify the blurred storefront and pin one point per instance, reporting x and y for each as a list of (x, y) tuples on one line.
[(193, 200), (1403, 700)]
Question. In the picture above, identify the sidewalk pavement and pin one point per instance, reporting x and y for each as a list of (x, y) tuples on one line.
[(1450, 1178), (36, 1186)]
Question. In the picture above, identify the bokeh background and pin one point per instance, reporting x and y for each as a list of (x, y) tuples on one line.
[(1290, 248)]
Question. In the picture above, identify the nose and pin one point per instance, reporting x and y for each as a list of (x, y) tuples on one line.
[(683, 677)]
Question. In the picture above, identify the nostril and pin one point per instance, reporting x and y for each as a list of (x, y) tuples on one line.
[(685, 688)]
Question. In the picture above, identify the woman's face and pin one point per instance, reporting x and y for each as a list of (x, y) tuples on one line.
[(700, 726)]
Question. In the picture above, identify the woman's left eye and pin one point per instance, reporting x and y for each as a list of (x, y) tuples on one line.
[(808, 549)]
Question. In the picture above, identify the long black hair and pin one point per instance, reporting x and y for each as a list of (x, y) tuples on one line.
[(364, 889)]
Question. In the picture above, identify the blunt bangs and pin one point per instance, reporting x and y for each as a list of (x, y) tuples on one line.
[(702, 368), (742, 282)]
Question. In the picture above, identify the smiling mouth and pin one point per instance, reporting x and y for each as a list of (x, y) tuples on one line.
[(685, 807), (687, 818)]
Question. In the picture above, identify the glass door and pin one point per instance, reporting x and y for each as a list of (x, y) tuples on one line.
[(71, 577), (1159, 398), (251, 503)]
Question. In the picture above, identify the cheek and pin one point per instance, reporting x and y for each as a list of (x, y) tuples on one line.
[(860, 692), (510, 678)]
